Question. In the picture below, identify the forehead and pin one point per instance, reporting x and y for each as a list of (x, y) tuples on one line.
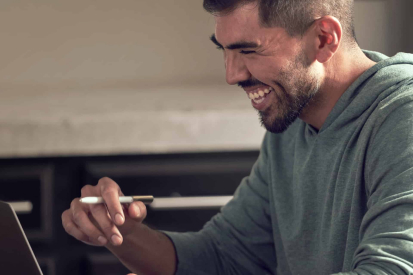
[(243, 24), (244, 19)]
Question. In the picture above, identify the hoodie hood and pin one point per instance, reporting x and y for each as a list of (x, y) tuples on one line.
[(372, 87)]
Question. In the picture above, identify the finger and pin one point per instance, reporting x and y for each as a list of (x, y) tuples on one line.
[(137, 211), (74, 231), (89, 190), (71, 228), (100, 215), (81, 219), (110, 192)]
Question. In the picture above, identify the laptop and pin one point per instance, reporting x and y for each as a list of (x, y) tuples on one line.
[(16, 255)]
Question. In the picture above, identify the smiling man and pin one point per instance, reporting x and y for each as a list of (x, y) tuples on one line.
[(291, 71), (332, 189)]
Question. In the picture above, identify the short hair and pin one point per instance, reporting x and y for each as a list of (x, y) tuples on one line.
[(295, 16)]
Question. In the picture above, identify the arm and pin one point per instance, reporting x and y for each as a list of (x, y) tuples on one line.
[(386, 233), (120, 229), (146, 251), (238, 240)]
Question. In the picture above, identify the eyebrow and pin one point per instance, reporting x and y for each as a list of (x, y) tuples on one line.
[(234, 46)]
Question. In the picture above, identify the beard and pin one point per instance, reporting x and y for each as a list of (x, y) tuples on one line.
[(300, 88)]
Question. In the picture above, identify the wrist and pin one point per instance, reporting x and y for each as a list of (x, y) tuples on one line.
[(143, 249)]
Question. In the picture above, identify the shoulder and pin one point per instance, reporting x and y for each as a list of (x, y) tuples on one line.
[(392, 120), (398, 104), (392, 88)]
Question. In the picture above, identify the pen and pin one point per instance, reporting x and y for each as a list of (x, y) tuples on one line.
[(129, 199)]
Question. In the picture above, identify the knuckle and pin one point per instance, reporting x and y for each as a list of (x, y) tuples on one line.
[(107, 191), (86, 190), (77, 217), (69, 227), (107, 185), (73, 204), (104, 181)]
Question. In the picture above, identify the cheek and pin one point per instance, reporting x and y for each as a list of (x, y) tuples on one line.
[(263, 70)]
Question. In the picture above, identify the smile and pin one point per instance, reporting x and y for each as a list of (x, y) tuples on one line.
[(259, 95)]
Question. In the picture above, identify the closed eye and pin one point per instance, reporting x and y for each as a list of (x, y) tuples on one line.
[(247, 52)]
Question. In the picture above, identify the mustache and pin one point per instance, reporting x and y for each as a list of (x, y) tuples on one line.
[(250, 83)]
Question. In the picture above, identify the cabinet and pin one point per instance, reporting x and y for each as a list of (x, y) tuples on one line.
[(50, 184)]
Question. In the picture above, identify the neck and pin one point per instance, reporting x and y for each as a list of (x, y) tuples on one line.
[(339, 73)]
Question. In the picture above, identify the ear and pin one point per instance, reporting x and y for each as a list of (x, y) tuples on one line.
[(328, 34)]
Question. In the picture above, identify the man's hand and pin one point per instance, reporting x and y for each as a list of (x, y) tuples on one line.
[(96, 224), (111, 223)]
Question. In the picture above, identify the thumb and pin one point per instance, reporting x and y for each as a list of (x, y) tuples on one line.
[(137, 211), (134, 215)]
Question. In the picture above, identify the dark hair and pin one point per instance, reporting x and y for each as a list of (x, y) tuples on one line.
[(295, 16)]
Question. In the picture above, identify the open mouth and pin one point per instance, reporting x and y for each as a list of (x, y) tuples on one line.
[(258, 95)]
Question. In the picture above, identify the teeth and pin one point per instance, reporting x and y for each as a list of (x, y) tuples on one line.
[(258, 101), (260, 94)]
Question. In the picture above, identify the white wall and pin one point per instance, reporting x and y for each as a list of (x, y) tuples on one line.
[(142, 43), (76, 75), (123, 42)]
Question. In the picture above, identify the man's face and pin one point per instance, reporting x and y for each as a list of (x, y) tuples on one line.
[(271, 66)]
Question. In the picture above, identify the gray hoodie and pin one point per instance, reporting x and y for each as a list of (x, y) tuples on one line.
[(323, 202)]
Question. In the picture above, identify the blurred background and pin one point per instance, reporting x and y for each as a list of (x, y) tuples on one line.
[(133, 90)]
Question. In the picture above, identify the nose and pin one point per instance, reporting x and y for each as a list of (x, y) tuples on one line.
[(236, 70)]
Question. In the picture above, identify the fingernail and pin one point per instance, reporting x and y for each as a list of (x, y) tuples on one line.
[(102, 240), (119, 219), (116, 240)]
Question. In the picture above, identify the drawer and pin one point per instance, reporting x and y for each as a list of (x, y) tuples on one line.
[(29, 190)]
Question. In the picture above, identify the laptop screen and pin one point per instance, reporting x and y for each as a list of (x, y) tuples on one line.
[(16, 255)]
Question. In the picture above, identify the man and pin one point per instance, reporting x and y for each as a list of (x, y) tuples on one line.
[(330, 192)]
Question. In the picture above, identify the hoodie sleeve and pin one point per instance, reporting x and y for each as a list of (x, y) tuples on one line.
[(239, 239), (386, 233)]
